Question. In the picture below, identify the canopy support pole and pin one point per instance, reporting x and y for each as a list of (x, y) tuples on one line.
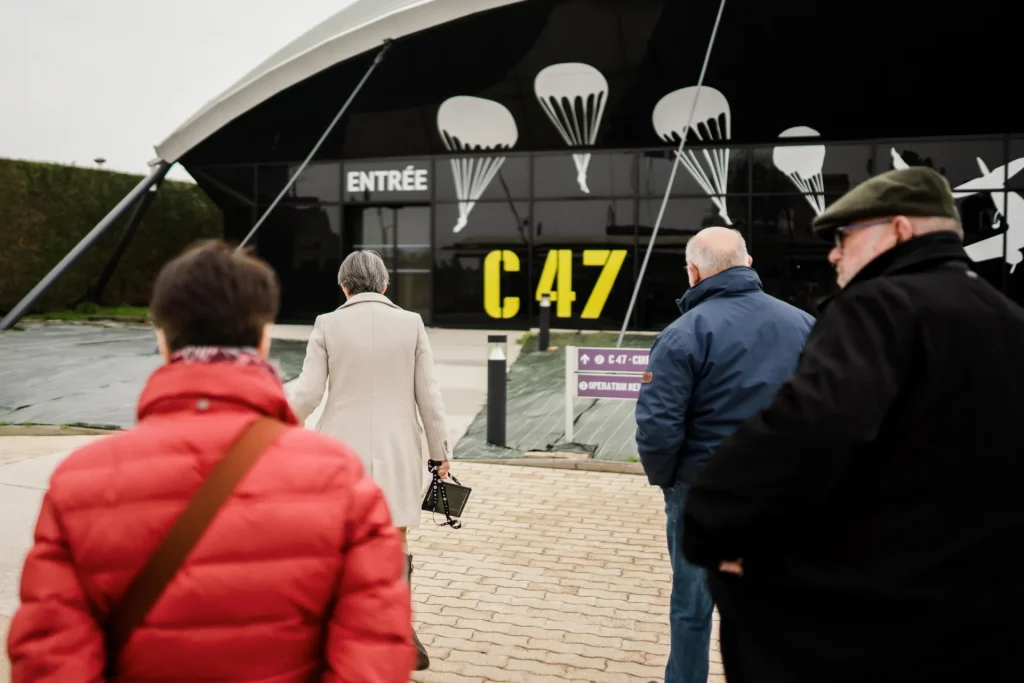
[(96, 293), (671, 178), (341, 112), (25, 305)]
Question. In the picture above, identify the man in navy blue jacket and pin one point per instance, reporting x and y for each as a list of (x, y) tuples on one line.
[(710, 370)]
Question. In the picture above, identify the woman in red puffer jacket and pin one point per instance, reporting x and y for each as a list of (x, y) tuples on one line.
[(299, 577)]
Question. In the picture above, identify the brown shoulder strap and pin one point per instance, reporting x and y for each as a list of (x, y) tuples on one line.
[(186, 532)]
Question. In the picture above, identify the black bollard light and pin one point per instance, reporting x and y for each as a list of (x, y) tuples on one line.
[(545, 321), (497, 377)]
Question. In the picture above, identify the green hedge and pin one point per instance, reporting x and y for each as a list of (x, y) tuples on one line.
[(45, 209)]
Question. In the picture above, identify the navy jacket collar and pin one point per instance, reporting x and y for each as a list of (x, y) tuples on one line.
[(729, 282)]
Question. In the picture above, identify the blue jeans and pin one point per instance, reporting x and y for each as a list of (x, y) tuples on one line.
[(691, 606)]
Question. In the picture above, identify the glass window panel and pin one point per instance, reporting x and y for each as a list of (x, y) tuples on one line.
[(486, 222), (960, 161), (412, 292), (709, 170), (303, 245), (413, 226), (986, 237), (665, 278), (584, 221), (236, 184), (791, 261), (786, 218), (481, 273), (685, 217), (1015, 168), (371, 228), (840, 169), (512, 178), (557, 175), (318, 182)]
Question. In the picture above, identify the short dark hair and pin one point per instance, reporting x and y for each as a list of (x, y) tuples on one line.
[(212, 295)]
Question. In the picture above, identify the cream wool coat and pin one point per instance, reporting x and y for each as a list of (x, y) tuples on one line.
[(374, 360)]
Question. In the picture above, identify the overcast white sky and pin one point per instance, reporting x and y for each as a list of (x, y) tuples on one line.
[(81, 79)]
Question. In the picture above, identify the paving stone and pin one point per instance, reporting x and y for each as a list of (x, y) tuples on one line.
[(557, 605)]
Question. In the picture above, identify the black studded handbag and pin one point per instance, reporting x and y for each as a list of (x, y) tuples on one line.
[(446, 497)]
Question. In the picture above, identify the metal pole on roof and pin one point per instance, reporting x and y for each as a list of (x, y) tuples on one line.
[(25, 305), (672, 177), (341, 112)]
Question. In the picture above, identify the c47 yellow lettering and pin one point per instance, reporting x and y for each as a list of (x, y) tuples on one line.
[(495, 263), (555, 281)]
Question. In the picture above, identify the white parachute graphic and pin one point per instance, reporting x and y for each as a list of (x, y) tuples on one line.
[(711, 122), (471, 124), (573, 95), (803, 164), (897, 160)]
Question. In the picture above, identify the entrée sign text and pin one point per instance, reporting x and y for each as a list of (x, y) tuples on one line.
[(411, 179)]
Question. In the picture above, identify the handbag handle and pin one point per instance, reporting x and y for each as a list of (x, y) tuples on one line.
[(437, 488), (150, 583)]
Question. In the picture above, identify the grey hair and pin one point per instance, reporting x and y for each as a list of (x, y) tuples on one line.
[(710, 260), (362, 272)]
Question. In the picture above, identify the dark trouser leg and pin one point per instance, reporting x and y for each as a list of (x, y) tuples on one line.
[(422, 658), (690, 606)]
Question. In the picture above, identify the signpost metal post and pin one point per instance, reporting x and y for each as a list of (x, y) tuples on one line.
[(570, 392)]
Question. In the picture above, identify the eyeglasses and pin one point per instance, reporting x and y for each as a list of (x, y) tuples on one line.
[(841, 231)]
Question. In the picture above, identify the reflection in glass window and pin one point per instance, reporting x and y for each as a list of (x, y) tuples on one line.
[(318, 182), (833, 168), (960, 161), (511, 180), (785, 218), (489, 223), (608, 175), (709, 170), (481, 274), (302, 244), (684, 217), (233, 184), (665, 280), (579, 221), (791, 261)]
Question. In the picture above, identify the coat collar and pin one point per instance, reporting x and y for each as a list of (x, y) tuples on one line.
[(368, 297), (926, 252), (730, 281), (214, 387)]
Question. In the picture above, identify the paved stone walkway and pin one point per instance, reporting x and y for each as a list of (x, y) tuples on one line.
[(557, 575)]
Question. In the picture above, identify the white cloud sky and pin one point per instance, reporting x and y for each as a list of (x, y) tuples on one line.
[(111, 78)]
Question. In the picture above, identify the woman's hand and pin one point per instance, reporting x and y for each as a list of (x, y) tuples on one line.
[(442, 469)]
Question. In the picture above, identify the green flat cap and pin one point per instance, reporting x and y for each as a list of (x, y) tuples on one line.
[(914, 191)]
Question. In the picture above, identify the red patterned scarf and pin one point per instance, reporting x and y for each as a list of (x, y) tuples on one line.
[(223, 354)]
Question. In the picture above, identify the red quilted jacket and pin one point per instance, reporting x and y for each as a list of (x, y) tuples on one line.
[(298, 578)]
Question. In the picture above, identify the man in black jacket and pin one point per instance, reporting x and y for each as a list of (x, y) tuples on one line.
[(867, 525)]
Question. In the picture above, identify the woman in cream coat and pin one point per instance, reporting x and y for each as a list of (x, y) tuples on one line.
[(374, 360)]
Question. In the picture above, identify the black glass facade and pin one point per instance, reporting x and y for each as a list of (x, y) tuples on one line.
[(528, 149)]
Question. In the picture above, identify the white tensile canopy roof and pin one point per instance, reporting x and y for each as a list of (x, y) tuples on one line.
[(362, 26)]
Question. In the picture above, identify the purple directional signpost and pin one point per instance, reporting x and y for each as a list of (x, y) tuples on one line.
[(601, 373)]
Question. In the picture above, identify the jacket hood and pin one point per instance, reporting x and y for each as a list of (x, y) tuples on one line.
[(225, 387), (734, 280)]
